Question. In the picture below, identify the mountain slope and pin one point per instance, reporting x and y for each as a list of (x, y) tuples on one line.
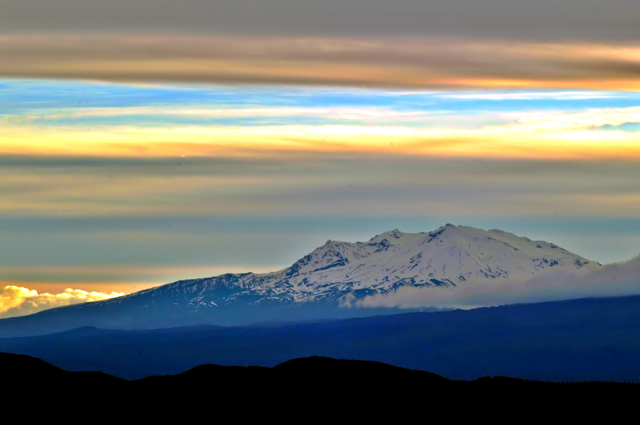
[(578, 340), (320, 283)]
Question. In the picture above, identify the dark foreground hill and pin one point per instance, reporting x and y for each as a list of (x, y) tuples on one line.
[(580, 340), (303, 388)]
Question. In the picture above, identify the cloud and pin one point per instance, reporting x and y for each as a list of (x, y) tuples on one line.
[(388, 119), (370, 115), (374, 61), (554, 95), (612, 280), (505, 19), (559, 122), (313, 184), (19, 301), (559, 136)]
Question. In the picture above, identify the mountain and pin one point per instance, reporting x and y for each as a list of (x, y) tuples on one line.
[(448, 256), (320, 284), (325, 387)]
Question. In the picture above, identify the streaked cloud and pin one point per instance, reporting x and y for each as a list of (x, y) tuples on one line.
[(371, 115), (311, 183), (117, 187), (580, 120), (203, 121), (555, 95), (320, 60), (19, 301), (562, 136)]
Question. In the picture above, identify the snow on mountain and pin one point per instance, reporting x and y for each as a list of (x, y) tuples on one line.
[(451, 256)]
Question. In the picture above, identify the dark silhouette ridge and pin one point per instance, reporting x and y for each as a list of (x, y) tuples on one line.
[(315, 386)]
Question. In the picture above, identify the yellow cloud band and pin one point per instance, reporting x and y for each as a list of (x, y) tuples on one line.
[(548, 137), (20, 301)]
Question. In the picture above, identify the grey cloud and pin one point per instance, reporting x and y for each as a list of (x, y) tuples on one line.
[(302, 182), (142, 165), (542, 19), (291, 204), (394, 164)]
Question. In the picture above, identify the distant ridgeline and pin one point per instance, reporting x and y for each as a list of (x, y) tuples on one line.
[(320, 284), (317, 386), (579, 340)]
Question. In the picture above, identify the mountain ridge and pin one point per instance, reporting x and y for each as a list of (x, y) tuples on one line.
[(254, 390), (337, 268), (322, 284)]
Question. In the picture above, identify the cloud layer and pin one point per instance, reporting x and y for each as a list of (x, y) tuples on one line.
[(416, 61), (19, 301), (506, 19), (311, 185), (617, 279), (123, 186)]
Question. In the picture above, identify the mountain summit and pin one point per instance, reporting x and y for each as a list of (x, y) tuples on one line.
[(448, 256), (316, 285)]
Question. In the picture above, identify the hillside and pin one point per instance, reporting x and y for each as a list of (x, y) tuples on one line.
[(579, 340)]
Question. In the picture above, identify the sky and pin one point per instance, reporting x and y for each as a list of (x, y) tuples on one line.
[(148, 141)]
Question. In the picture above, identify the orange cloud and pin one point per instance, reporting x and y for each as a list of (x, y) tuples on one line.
[(43, 281), (19, 301)]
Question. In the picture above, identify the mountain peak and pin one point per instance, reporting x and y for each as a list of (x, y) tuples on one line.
[(391, 234), (339, 273), (450, 256), (395, 234)]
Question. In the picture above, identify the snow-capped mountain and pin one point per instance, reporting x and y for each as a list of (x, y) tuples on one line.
[(449, 256), (321, 283)]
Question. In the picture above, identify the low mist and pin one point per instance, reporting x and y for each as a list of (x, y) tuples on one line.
[(611, 280)]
